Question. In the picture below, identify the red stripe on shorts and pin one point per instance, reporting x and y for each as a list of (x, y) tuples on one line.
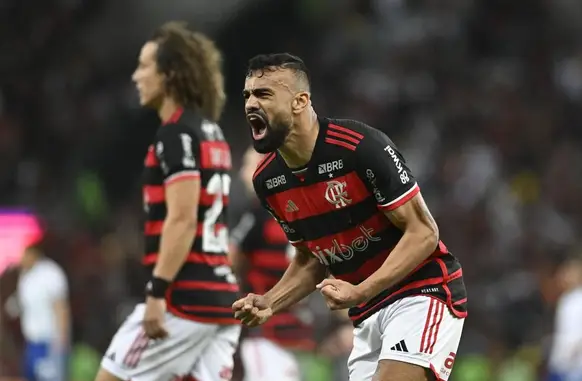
[(426, 324), (139, 345), (436, 331)]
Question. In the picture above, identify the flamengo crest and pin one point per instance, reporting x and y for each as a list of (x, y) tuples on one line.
[(337, 194)]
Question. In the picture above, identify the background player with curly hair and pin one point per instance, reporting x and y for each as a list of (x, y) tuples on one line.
[(185, 329)]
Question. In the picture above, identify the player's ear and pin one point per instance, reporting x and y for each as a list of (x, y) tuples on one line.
[(300, 102)]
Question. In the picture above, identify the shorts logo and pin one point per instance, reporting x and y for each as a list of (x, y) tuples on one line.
[(335, 165), (400, 347), (337, 194)]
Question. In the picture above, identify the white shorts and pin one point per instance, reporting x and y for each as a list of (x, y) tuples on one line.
[(418, 330), (204, 351), (263, 360)]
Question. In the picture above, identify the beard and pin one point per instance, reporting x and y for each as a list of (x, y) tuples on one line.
[(273, 133), (273, 140)]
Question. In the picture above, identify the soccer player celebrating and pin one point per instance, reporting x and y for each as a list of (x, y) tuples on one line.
[(346, 200), (185, 328)]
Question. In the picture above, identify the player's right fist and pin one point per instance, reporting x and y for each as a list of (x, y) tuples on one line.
[(252, 310)]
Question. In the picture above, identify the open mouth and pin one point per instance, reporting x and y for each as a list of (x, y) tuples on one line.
[(258, 125)]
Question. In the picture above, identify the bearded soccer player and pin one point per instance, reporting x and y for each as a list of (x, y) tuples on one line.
[(260, 254), (185, 329), (347, 201)]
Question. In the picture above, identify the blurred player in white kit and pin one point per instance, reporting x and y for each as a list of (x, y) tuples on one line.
[(566, 355), (43, 305)]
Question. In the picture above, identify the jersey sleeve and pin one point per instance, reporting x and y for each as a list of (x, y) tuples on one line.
[(177, 151), (384, 171)]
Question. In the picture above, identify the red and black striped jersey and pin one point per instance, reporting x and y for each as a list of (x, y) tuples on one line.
[(189, 147), (335, 205), (261, 239)]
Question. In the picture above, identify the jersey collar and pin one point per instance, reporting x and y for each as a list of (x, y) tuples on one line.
[(175, 117), (303, 171)]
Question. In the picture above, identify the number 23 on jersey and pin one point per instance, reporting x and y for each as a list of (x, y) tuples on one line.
[(214, 236)]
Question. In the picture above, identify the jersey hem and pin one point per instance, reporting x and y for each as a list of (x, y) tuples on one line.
[(202, 319), (448, 303), (182, 175)]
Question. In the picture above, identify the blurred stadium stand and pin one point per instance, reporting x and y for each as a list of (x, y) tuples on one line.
[(483, 96)]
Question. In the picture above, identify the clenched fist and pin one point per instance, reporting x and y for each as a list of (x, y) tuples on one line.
[(252, 310)]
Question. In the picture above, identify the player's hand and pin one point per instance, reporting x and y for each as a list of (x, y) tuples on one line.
[(339, 294), (153, 320), (252, 310)]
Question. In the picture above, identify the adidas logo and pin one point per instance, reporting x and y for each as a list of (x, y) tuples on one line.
[(291, 207), (400, 347)]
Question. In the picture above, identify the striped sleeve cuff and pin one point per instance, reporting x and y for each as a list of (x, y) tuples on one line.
[(400, 200)]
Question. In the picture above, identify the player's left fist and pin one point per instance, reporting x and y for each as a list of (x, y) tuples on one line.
[(339, 294), (154, 316)]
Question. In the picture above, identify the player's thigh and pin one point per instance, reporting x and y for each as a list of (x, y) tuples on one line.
[(131, 355), (217, 360), (363, 359), (390, 370), (418, 332), (264, 360)]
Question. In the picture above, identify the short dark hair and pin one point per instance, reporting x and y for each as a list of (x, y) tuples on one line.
[(262, 63), (193, 64)]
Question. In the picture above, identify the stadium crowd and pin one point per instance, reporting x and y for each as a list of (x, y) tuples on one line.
[(484, 97)]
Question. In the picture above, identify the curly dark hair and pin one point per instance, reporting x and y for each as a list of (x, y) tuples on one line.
[(262, 63), (193, 66)]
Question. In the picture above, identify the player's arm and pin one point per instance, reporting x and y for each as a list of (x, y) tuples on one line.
[(62, 312), (420, 238), (175, 152), (12, 307), (398, 196), (299, 280), (61, 307)]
